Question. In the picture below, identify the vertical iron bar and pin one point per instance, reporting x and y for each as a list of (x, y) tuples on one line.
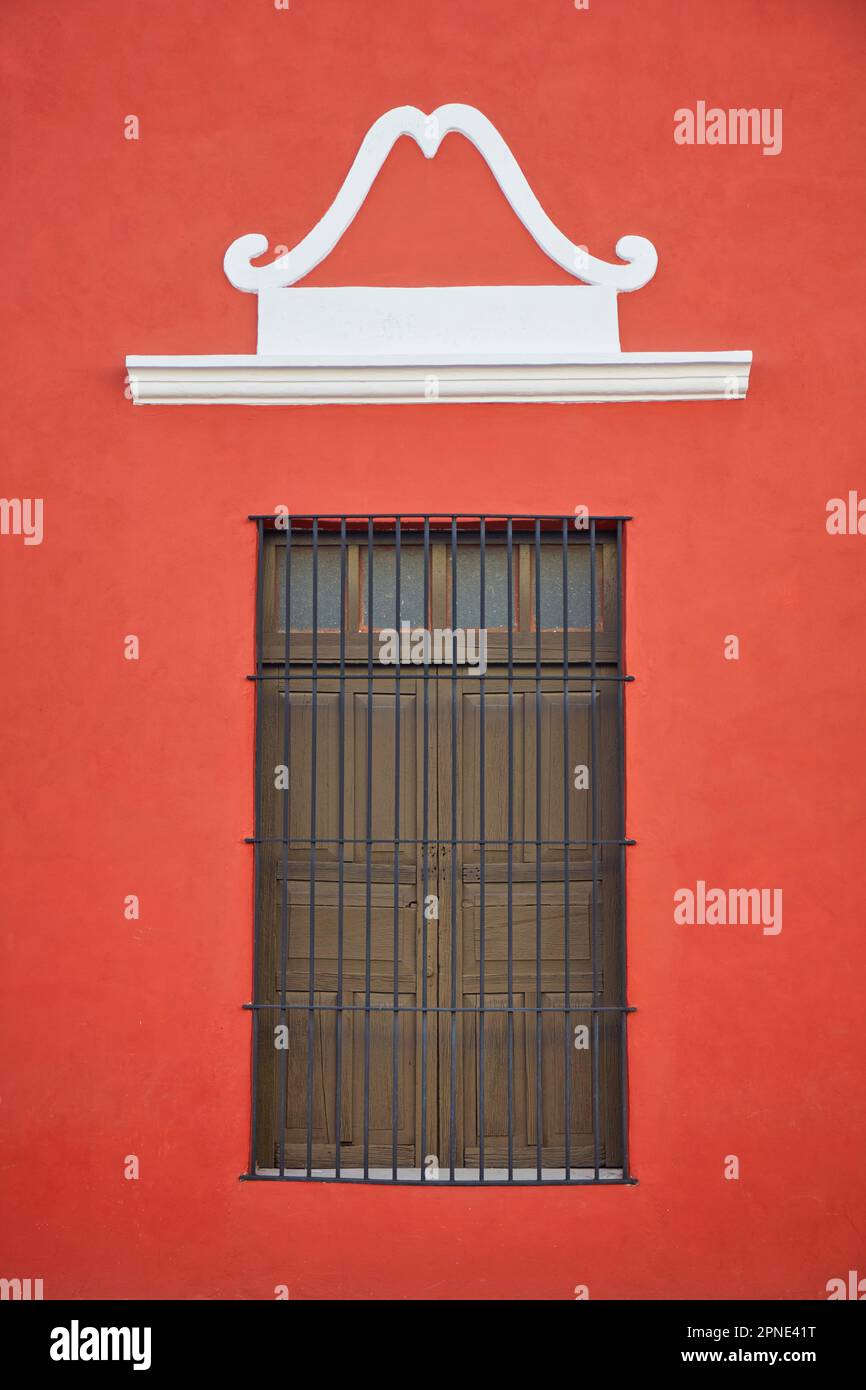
[(425, 851), (481, 855), (593, 782), (538, 999), (509, 584), (369, 850), (452, 1135), (341, 847), (284, 920), (314, 716), (566, 834), (623, 985), (257, 848), (395, 1024)]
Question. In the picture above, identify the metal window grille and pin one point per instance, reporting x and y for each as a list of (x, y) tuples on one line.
[(438, 1060)]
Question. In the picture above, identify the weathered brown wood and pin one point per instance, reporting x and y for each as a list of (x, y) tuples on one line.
[(454, 877)]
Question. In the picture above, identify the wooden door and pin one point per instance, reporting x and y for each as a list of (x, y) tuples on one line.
[(425, 992), (523, 1066), (386, 954)]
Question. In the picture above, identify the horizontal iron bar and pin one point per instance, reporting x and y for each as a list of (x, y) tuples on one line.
[(441, 840), (446, 1009), (446, 1182), (446, 668), (388, 517)]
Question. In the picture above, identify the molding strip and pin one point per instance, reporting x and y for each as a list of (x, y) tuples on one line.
[(256, 380)]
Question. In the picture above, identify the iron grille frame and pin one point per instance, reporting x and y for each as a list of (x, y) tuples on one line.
[(434, 527)]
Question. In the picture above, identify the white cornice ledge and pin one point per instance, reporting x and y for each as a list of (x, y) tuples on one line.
[(361, 344), (259, 380)]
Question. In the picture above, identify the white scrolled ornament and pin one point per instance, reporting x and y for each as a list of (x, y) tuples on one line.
[(429, 131)]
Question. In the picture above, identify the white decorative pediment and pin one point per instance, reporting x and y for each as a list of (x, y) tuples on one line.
[(464, 342)]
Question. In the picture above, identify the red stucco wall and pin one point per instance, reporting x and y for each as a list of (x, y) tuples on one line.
[(124, 777)]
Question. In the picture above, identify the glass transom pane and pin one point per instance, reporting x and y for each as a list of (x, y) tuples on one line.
[(327, 585), (469, 587), (385, 586), (551, 605)]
